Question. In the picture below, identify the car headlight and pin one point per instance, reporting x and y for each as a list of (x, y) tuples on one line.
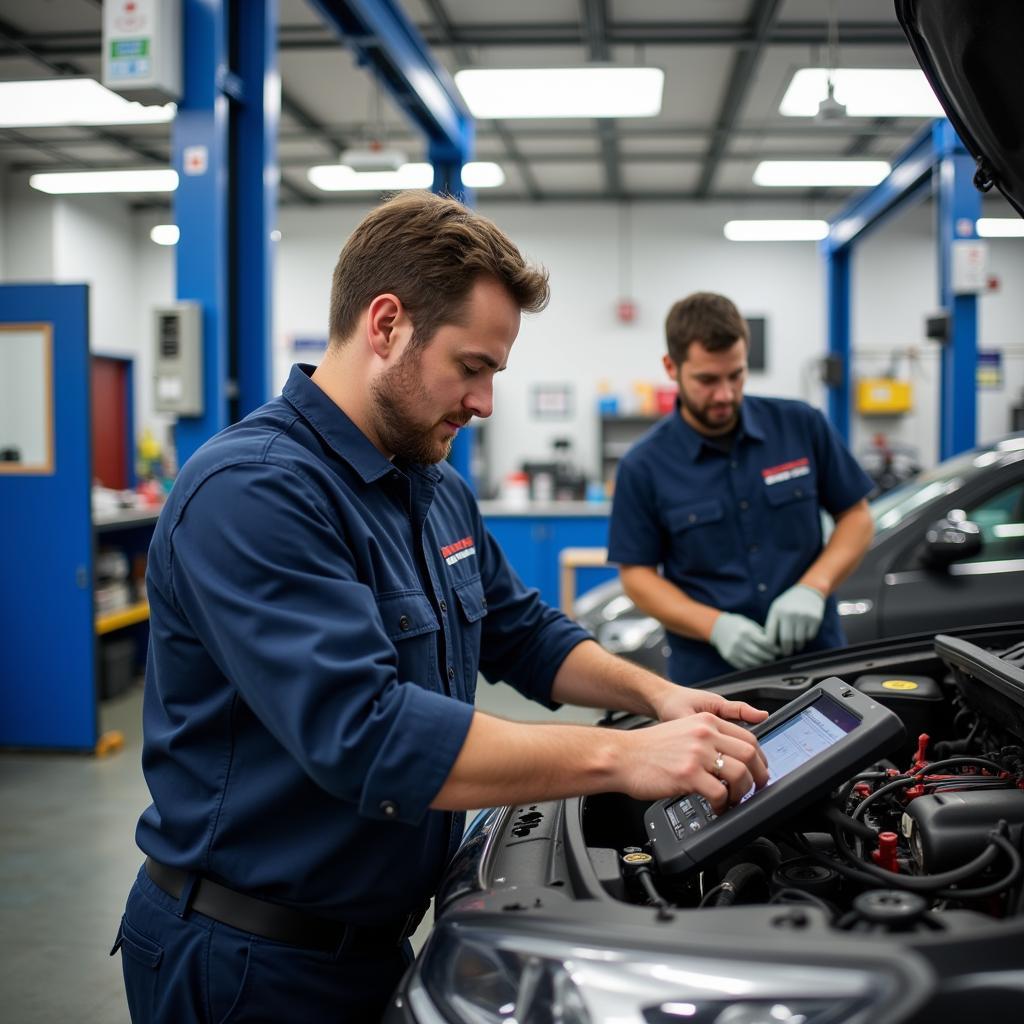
[(483, 975)]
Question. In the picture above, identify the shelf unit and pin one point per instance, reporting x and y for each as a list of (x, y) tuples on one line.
[(617, 435), (109, 622)]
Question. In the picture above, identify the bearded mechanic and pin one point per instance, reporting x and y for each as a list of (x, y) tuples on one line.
[(716, 519), (322, 592)]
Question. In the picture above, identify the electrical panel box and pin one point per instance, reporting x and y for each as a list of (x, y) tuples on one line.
[(142, 49), (883, 396), (178, 359), (969, 274)]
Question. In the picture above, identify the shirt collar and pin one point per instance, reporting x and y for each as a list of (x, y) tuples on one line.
[(693, 442), (329, 420)]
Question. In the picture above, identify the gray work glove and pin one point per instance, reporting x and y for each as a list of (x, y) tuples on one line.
[(794, 618), (741, 641)]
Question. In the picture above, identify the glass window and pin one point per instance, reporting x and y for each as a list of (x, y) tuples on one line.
[(1001, 520), (26, 407)]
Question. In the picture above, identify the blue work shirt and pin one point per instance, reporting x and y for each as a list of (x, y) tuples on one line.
[(318, 615), (733, 529)]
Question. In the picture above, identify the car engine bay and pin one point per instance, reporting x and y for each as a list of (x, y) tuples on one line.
[(926, 841)]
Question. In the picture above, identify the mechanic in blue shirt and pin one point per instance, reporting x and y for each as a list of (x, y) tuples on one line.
[(716, 521), (322, 593)]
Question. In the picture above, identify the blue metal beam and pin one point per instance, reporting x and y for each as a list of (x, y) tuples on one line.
[(908, 182), (254, 198), (383, 37), (957, 211), (224, 140), (935, 160), (199, 144)]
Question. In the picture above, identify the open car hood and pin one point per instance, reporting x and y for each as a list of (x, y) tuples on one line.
[(971, 52)]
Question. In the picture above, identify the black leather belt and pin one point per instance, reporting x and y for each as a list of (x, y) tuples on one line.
[(273, 921)]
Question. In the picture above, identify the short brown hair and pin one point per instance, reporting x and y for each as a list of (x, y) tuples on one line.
[(428, 250), (705, 317)]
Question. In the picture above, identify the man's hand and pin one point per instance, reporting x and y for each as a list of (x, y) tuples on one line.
[(680, 757), (742, 642), (794, 618), (683, 701)]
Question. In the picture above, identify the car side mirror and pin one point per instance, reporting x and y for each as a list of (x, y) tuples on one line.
[(948, 540)]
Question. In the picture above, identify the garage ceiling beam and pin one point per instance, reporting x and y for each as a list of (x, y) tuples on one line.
[(594, 16), (763, 16), (465, 58), (56, 45)]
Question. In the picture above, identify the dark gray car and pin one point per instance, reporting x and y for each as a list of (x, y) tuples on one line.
[(948, 551)]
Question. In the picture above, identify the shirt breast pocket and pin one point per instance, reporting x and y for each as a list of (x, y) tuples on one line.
[(698, 534), (472, 605), (796, 521), (411, 625)]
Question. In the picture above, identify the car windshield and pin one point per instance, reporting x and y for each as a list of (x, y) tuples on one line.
[(890, 509)]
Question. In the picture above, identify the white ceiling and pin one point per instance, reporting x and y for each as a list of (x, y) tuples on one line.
[(700, 146)]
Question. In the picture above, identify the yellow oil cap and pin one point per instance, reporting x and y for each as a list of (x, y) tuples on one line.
[(899, 684)]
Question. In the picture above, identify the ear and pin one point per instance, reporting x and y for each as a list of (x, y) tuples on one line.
[(384, 318), (671, 368)]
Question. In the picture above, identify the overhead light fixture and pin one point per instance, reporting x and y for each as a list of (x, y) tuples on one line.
[(482, 174), (562, 92), (864, 92), (819, 173), (339, 178), (71, 101), (165, 234), (775, 230), (1000, 227), (373, 158), (81, 182)]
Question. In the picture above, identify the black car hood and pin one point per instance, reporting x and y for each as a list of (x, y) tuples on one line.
[(971, 52)]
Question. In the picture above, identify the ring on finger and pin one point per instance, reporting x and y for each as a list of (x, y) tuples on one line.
[(719, 765)]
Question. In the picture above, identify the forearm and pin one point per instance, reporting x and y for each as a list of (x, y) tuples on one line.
[(845, 548), (590, 677), (536, 762), (664, 601)]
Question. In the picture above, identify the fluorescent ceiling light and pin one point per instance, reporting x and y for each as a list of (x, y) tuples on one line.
[(165, 234), (562, 92), (1000, 227), (340, 178), (865, 92), (80, 182), (775, 230), (482, 174), (68, 101), (820, 173)]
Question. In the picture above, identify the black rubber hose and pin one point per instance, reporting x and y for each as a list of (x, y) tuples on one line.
[(736, 879)]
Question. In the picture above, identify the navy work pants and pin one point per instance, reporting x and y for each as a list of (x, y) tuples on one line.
[(182, 967)]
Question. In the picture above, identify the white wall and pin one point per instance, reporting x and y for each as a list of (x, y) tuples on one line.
[(675, 248), (670, 250), (894, 287), (28, 238)]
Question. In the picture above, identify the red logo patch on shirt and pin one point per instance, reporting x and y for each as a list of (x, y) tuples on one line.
[(786, 471), (456, 552)]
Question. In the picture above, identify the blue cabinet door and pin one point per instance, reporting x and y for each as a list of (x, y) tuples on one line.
[(47, 658), (533, 543)]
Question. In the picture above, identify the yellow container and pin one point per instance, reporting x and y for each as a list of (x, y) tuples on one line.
[(883, 396)]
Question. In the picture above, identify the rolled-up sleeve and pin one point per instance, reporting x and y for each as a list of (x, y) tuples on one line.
[(262, 573)]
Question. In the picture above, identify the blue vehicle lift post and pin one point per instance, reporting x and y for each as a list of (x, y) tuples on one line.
[(934, 162), (226, 212), (223, 142)]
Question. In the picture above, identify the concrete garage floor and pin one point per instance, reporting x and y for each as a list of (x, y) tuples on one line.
[(68, 857)]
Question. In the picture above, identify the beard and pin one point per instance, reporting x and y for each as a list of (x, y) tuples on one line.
[(715, 424), (408, 438)]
